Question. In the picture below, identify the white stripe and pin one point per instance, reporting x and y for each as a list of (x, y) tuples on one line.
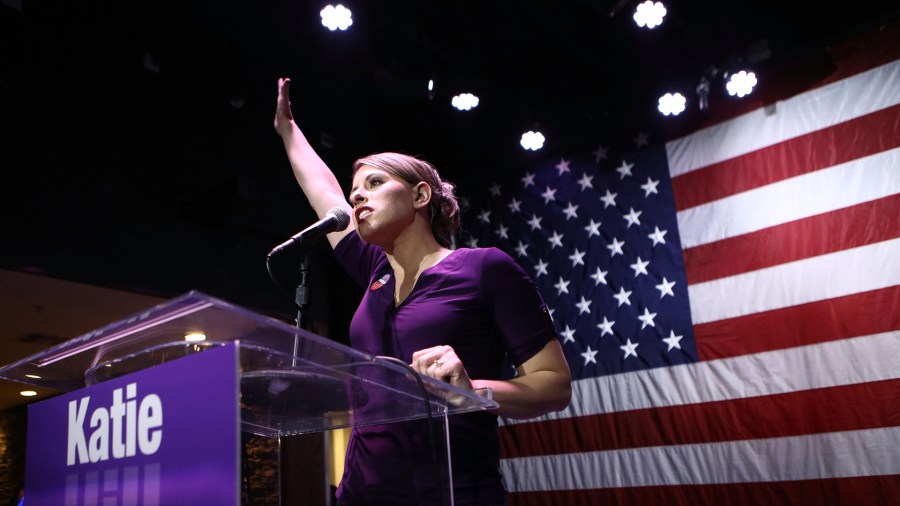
[(837, 187), (870, 452), (836, 363), (823, 107), (855, 270)]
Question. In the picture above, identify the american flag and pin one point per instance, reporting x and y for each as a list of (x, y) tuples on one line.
[(729, 303)]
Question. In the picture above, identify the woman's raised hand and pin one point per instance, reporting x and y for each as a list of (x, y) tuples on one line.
[(283, 115)]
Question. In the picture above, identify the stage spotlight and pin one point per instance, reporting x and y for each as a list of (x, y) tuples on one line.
[(336, 17), (464, 101), (741, 84), (532, 140), (671, 104), (649, 14)]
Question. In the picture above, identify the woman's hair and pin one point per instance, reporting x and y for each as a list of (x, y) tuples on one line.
[(444, 208)]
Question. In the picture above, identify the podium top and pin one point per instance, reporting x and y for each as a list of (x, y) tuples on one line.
[(292, 381)]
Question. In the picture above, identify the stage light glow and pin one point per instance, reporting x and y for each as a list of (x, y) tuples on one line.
[(671, 104), (532, 140), (27, 393), (741, 83), (336, 17), (465, 101), (195, 337), (649, 14)]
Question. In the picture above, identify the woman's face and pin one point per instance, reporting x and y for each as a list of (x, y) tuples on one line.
[(383, 205)]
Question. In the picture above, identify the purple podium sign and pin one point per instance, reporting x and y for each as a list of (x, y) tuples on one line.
[(167, 435)]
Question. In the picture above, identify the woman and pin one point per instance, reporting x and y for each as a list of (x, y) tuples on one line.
[(454, 315)]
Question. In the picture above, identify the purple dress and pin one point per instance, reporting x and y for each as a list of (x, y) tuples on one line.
[(480, 302)]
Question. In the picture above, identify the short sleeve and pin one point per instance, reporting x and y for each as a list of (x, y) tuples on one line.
[(518, 308), (359, 258)]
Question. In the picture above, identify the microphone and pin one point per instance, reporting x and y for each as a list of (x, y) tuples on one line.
[(335, 220)]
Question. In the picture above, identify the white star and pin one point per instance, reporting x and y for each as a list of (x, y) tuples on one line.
[(568, 335), (528, 180), (624, 169), (484, 216), (502, 231), (472, 242), (495, 190), (585, 182), (514, 205), (622, 297), (584, 306), (665, 288), (673, 341), (615, 248), (534, 222), (521, 248), (562, 286), (555, 240), (642, 139), (562, 166), (577, 257), (540, 268), (629, 348), (609, 199), (658, 236), (600, 154), (571, 211), (599, 277), (640, 267), (605, 327), (464, 202), (650, 187), (632, 217), (549, 194), (589, 356), (593, 228), (647, 318)]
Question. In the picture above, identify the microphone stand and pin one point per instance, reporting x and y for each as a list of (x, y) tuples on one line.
[(301, 294), (301, 299)]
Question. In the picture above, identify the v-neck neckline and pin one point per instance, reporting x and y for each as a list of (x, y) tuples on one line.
[(398, 304)]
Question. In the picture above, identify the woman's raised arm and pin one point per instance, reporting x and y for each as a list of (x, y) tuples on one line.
[(318, 183)]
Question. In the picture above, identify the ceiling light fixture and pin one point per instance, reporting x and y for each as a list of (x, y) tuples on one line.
[(703, 94), (649, 14), (532, 141), (336, 17), (741, 83), (671, 104), (465, 101)]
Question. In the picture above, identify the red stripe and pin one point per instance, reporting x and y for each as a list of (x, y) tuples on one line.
[(862, 406), (844, 317), (866, 223), (864, 490), (857, 138)]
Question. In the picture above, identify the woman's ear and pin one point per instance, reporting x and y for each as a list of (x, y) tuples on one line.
[(422, 195)]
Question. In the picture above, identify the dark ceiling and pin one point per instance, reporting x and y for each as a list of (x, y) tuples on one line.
[(137, 142)]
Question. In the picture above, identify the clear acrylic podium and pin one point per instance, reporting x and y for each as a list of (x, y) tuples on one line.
[(291, 381)]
